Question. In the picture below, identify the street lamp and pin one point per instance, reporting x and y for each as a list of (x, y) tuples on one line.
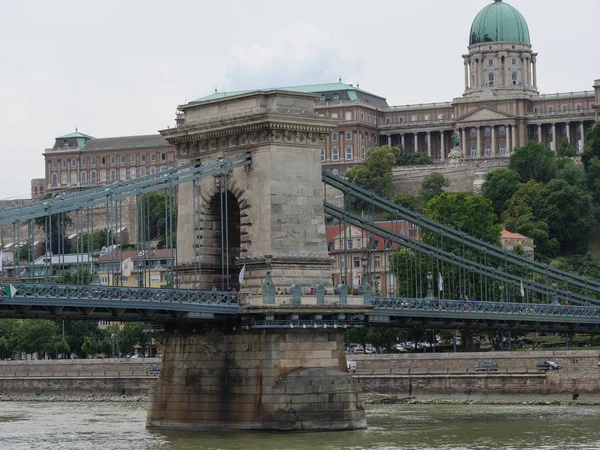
[(429, 285), (554, 298)]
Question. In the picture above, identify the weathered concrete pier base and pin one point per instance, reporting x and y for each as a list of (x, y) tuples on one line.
[(268, 379)]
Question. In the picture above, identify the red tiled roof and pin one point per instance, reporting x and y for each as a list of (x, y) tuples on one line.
[(510, 235)]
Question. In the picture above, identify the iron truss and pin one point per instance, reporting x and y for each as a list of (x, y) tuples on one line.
[(464, 239), (454, 314), (116, 303), (120, 190)]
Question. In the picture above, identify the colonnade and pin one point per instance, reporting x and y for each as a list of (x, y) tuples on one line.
[(558, 130)]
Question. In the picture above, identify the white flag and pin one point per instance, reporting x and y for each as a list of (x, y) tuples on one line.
[(1, 258), (242, 273), (126, 267), (440, 282), (522, 289)]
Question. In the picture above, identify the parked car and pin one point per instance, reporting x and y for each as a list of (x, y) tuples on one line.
[(486, 366), (544, 366), (400, 348), (351, 366)]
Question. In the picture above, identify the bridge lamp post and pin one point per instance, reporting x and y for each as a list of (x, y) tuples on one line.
[(554, 298), (429, 286)]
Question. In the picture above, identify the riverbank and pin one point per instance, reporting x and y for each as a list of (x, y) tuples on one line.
[(51, 397)]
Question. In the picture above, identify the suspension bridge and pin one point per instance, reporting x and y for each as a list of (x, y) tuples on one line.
[(252, 203)]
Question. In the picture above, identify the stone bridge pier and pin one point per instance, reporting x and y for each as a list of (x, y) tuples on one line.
[(269, 379), (268, 217)]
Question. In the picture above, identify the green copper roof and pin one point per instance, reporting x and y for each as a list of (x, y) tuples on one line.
[(499, 22), (77, 134), (308, 89)]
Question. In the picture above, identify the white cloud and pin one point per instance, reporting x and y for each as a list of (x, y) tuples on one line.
[(298, 54)]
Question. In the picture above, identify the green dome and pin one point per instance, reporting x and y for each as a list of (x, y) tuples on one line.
[(499, 22)]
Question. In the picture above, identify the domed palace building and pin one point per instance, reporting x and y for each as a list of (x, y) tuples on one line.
[(499, 110)]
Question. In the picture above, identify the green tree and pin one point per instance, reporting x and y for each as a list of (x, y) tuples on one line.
[(35, 335), (81, 277), (159, 210), (499, 186), (90, 345), (25, 252), (132, 334), (592, 145), (520, 203), (537, 230), (376, 173), (472, 214), (533, 161), (432, 185), (88, 242), (55, 229), (593, 177), (62, 347), (75, 332), (406, 200), (406, 158), (567, 170), (565, 149), (565, 209)]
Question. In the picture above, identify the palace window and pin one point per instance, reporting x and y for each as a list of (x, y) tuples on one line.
[(83, 161), (143, 157), (83, 177), (152, 157), (63, 163), (363, 154), (514, 62), (93, 177), (348, 135), (348, 153), (123, 174), (579, 128), (322, 155), (73, 162), (488, 149), (334, 137), (113, 175), (514, 77), (54, 163), (487, 131), (549, 131), (356, 262), (54, 179), (123, 159), (142, 171), (132, 159), (427, 117), (113, 160), (550, 109), (63, 178), (323, 98), (491, 78), (473, 132), (502, 131), (334, 115), (368, 118), (375, 120), (73, 177), (376, 260), (536, 109), (132, 173), (335, 154), (93, 161), (336, 97), (440, 117), (362, 116), (349, 244), (163, 156), (578, 107), (348, 115), (103, 161), (490, 62), (152, 170), (473, 150), (343, 262), (564, 129), (414, 118), (502, 148), (564, 108)]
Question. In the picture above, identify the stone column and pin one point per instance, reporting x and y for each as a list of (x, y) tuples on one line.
[(466, 74), (494, 140), (554, 146), (582, 138), (534, 73), (389, 138), (416, 135), (568, 126), (443, 149), (403, 141), (508, 139), (514, 135), (481, 73), (540, 133), (478, 141), (463, 141), (506, 76), (429, 144)]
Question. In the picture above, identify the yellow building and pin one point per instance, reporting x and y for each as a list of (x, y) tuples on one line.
[(136, 268)]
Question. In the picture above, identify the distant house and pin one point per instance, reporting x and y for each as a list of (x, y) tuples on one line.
[(510, 240), (136, 268)]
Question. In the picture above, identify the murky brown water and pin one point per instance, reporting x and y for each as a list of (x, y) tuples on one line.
[(29, 425)]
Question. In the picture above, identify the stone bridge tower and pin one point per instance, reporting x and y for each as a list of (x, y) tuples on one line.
[(272, 207)]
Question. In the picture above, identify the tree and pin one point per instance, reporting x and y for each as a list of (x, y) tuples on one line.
[(592, 145), (520, 203), (565, 209), (55, 229), (376, 173), (432, 185), (77, 330), (567, 170), (159, 209), (24, 252), (90, 345), (533, 161), (62, 347), (88, 242), (565, 149), (499, 186), (593, 177), (81, 277), (34, 335), (406, 201), (406, 158), (132, 334), (537, 230), (472, 214)]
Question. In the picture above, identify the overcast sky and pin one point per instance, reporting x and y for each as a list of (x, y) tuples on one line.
[(115, 68)]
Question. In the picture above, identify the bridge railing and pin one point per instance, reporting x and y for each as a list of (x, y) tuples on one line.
[(74, 292), (479, 307)]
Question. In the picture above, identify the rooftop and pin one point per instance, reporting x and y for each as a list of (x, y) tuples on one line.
[(499, 22)]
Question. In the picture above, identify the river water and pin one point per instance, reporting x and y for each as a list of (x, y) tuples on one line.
[(106, 426)]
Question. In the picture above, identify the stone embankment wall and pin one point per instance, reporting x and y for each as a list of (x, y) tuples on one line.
[(77, 376), (465, 176)]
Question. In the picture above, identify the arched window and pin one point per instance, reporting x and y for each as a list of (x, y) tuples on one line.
[(322, 155), (348, 135), (502, 147), (473, 132), (73, 177), (334, 137), (514, 77), (488, 149), (54, 179), (336, 97), (473, 150), (63, 178), (348, 153), (83, 177), (491, 78), (323, 98), (502, 131), (363, 154), (335, 154), (487, 131)]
